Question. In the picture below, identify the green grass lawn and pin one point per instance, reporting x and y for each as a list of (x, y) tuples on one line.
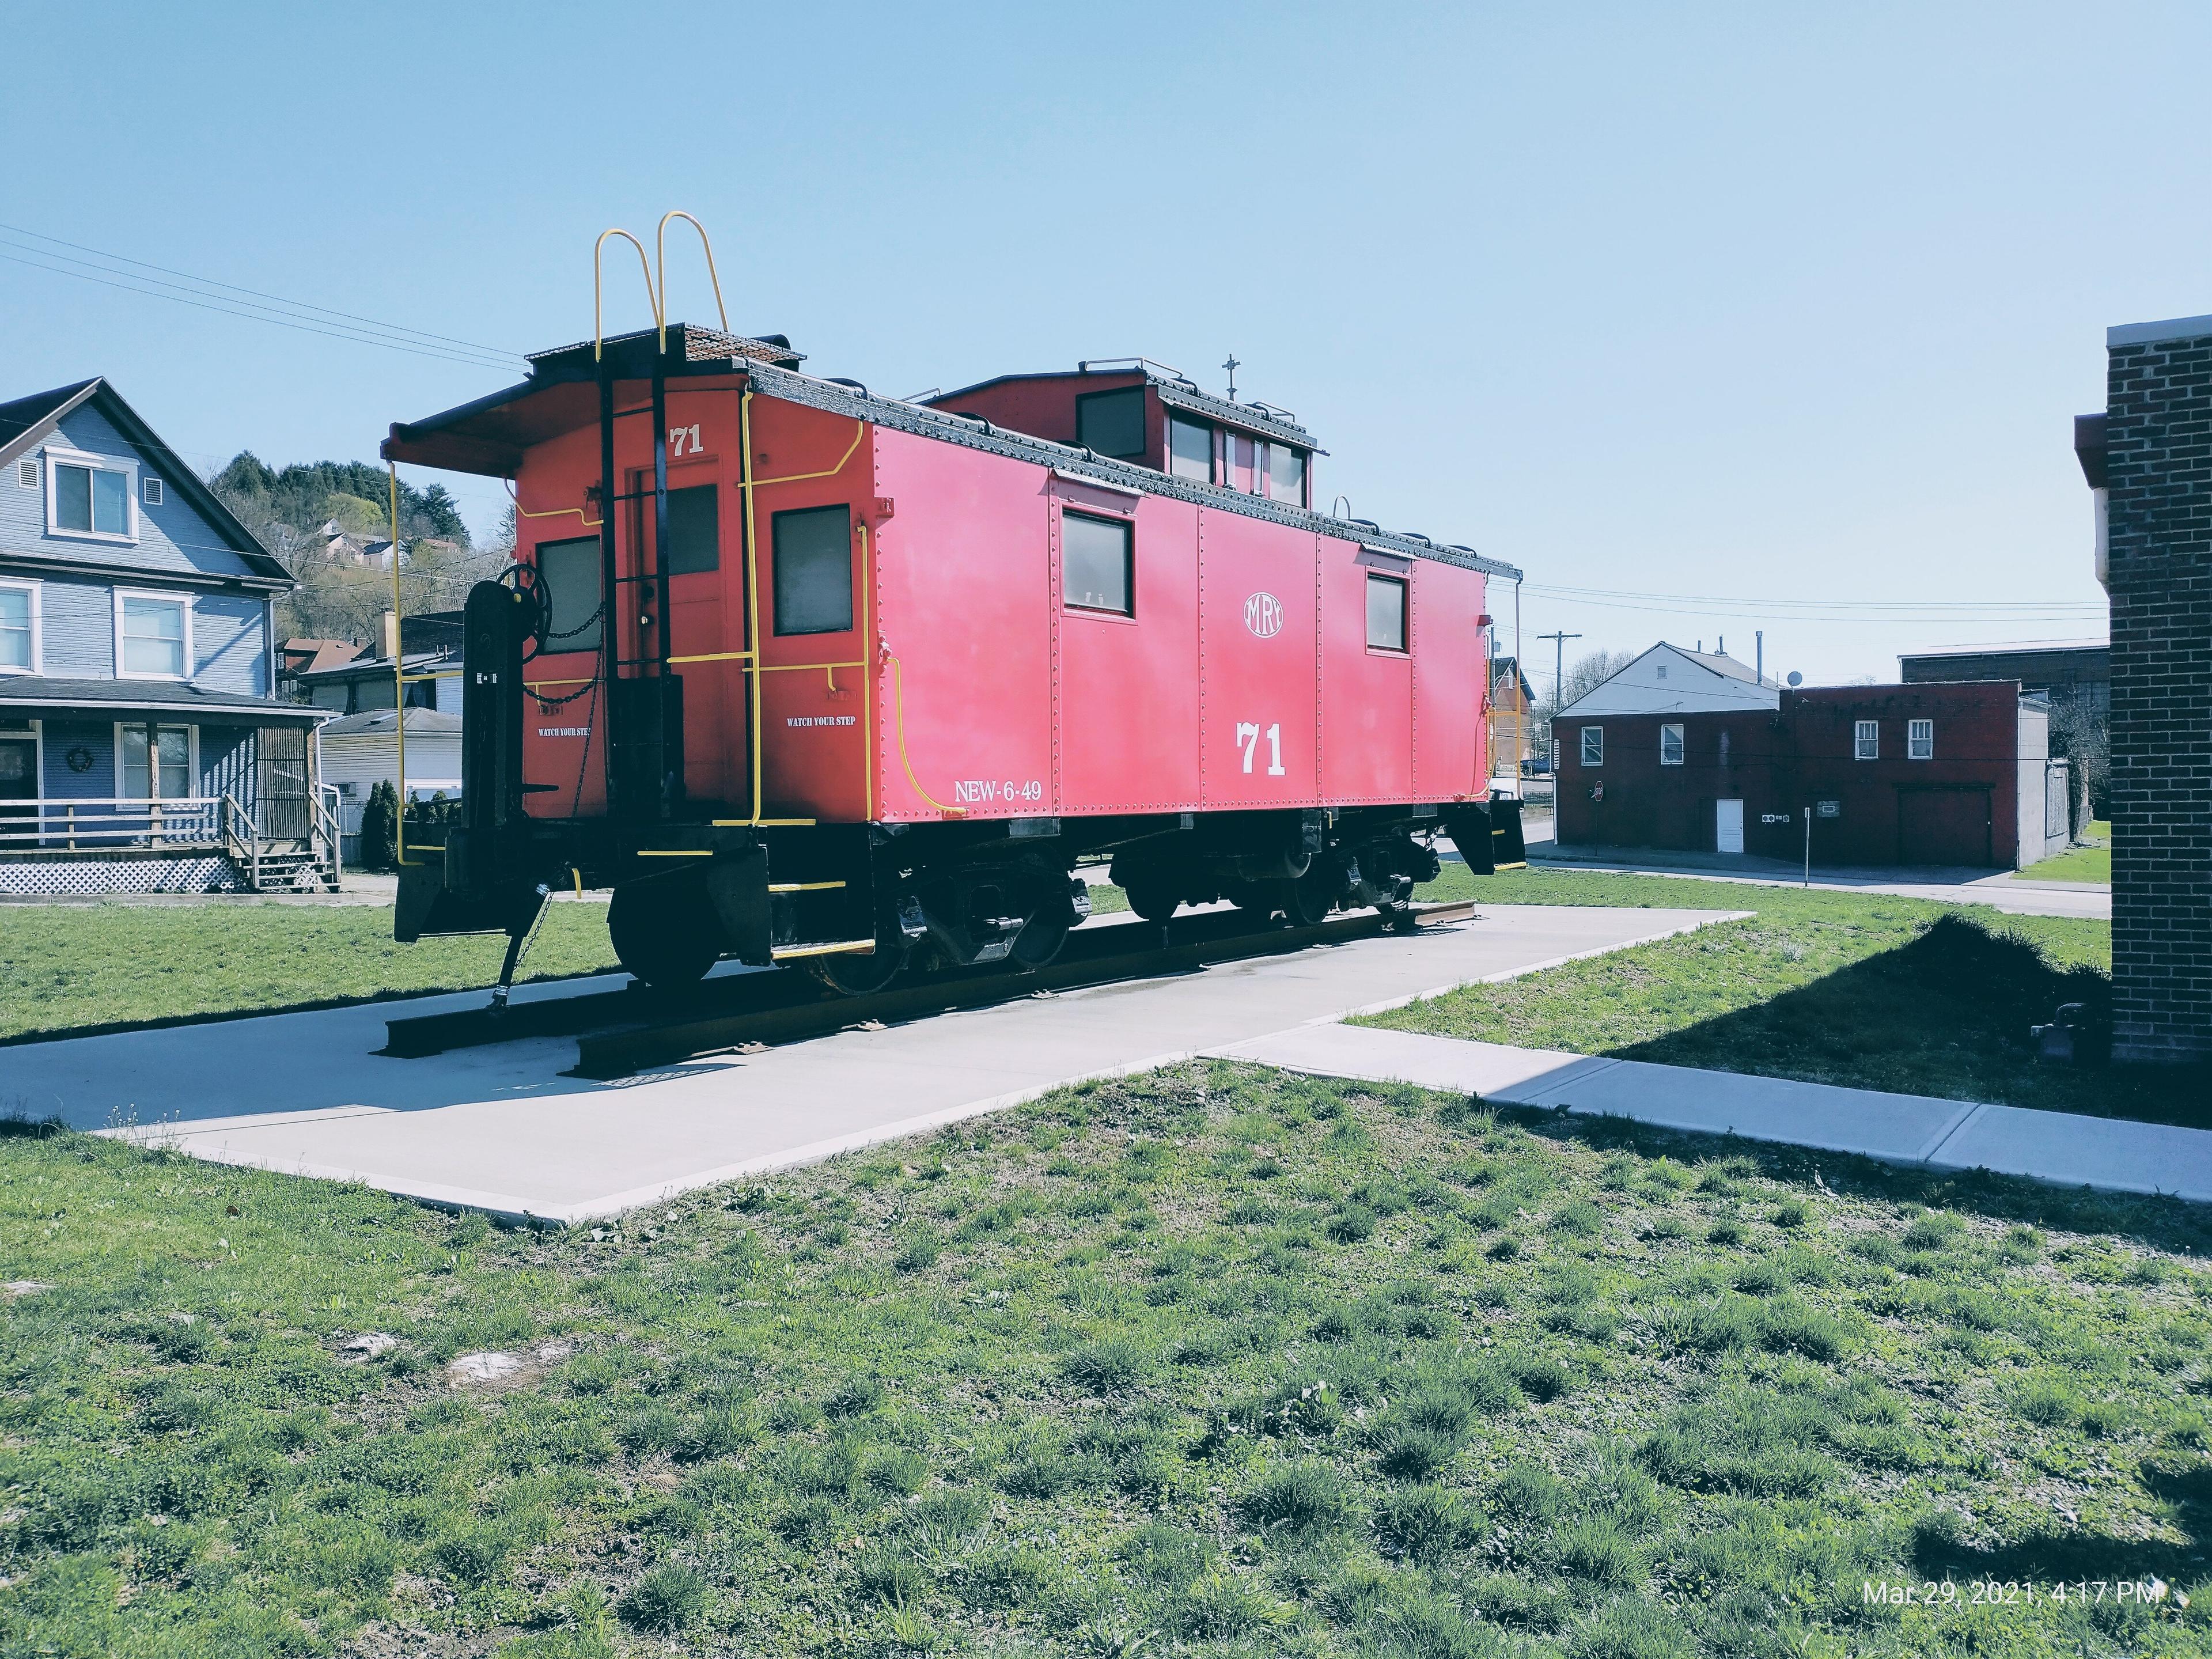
[(1213, 1361), (1858, 989), (2086, 863), (68, 966)]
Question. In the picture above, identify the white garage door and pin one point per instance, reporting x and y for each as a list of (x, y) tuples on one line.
[(1729, 825)]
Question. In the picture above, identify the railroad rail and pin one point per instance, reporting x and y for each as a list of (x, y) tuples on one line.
[(619, 1033)]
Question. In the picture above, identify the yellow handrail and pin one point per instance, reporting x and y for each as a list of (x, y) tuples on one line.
[(898, 693), (652, 298), (551, 512), (399, 676), (660, 257)]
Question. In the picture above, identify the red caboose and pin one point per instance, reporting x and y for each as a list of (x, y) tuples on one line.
[(802, 671)]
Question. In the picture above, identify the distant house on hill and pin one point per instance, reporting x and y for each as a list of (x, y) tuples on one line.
[(143, 747)]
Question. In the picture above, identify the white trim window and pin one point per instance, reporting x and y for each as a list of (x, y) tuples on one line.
[(19, 628), (1593, 745), (92, 498), (1920, 740), (1866, 740), (153, 636), (1670, 745), (156, 763)]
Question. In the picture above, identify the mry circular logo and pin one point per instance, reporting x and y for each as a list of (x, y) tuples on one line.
[(1263, 615)]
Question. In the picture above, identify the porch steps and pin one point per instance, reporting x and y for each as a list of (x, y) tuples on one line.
[(284, 872)]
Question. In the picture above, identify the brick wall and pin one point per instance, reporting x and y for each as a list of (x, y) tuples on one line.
[(2158, 462)]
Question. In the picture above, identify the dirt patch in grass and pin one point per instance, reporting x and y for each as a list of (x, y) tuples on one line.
[(1107, 1374)]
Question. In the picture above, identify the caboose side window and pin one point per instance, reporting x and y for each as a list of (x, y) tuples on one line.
[(570, 571), (694, 529), (1386, 612), (814, 570), (1097, 562), (1286, 474), (1112, 423), (1190, 449)]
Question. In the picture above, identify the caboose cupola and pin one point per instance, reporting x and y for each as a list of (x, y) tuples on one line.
[(1133, 410)]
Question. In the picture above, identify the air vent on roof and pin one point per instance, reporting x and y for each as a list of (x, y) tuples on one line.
[(152, 490), (27, 474)]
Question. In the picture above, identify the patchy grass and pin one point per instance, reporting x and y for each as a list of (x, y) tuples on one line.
[(1099, 1375), (2086, 864), (68, 966), (1859, 989)]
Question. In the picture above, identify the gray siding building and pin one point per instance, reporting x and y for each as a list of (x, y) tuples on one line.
[(142, 746)]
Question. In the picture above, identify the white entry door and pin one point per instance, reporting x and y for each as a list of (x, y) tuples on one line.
[(1729, 825)]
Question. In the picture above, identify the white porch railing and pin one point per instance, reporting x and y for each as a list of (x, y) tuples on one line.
[(85, 823)]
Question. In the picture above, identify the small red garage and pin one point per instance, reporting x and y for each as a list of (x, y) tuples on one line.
[(1689, 751)]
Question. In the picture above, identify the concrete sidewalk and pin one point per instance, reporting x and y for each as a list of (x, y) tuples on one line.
[(1998, 889), (2059, 1147), (503, 1129)]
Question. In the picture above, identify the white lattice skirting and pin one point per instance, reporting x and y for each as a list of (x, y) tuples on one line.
[(185, 873)]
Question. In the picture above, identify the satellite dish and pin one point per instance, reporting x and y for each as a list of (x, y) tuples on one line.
[(1796, 678)]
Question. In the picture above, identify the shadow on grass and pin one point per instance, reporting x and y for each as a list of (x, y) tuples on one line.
[(1947, 1014), (2049, 1557)]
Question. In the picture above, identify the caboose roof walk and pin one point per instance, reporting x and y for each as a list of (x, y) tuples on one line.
[(489, 435)]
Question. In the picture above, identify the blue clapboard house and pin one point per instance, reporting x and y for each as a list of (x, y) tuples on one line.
[(142, 746)]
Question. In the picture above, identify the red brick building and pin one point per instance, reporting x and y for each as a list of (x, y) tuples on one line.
[(1694, 753)]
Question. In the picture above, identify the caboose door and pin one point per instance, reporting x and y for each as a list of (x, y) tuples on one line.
[(701, 581), (813, 679)]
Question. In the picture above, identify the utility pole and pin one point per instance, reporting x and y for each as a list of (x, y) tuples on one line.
[(1559, 691)]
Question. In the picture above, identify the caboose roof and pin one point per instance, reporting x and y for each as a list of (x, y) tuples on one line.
[(489, 435), (1175, 391)]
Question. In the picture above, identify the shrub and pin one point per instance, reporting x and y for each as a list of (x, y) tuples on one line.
[(1424, 1524), (1297, 1499), (668, 1599)]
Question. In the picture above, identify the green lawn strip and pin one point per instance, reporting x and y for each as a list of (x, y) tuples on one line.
[(2085, 864), (66, 967), (1857, 989), (1213, 1360)]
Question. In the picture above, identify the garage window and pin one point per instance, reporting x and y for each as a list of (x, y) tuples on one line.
[(814, 570), (1593, 745), (1098, 563), (1866, 740), (1386, 612), (1670, 745), (569, 571), (1112, 423), (1920, 740)]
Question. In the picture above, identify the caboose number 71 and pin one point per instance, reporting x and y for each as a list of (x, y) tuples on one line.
[(806, 673)]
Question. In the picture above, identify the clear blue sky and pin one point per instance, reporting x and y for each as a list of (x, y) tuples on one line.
[(1786, 304)]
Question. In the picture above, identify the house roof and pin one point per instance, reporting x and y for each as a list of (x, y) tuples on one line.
[(365, 667), (26, 420), (321, 654), (40, 693), (1707, 683), (379, 722), (2011, 648)]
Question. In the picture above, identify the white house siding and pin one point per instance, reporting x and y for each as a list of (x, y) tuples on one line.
[(1668, 680), (365, 759)]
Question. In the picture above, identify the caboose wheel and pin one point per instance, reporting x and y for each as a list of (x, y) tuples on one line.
[(855, 974), (1308, 901), (1041, 936), (663, 931), (1154, 901)]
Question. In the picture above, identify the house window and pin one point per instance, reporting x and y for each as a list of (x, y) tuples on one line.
[(1190, 449), (814, 570), (1098, 563), (1386, 612), (19, 629), (91, 495), (694, 529), (1286, 474), (1670, 745), (157, 763), (1593, 745), (1920, 740), (1661, 670), (1112, 423), (569, 571), (152, 636), (1866, 740)]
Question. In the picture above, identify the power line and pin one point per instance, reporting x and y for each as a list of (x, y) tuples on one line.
[(258, 293), (259, 315)]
